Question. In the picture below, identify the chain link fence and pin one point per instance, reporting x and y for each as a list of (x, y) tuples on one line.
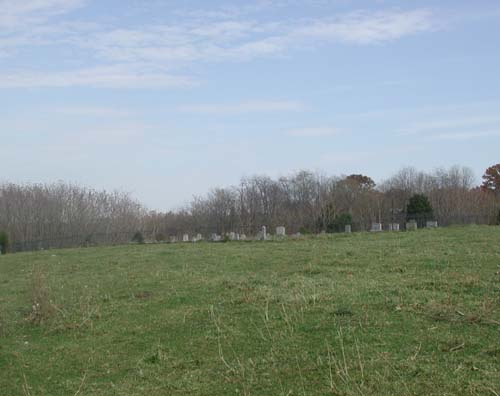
[(388, 223)]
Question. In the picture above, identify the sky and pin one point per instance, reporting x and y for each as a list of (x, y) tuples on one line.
[(167, 99)]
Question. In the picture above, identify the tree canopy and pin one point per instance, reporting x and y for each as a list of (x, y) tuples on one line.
[(491, 179)]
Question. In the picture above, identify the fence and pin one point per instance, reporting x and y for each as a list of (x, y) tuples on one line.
[(165, 235)]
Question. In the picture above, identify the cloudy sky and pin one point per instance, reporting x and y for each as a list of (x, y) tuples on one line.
[(166, 99)]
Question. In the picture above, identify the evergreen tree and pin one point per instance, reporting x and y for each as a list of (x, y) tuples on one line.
[(419, 209)]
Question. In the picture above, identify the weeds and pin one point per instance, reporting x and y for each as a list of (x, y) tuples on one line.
[(42, 307)]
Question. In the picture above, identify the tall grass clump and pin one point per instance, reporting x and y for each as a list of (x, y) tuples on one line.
[(42, 307)]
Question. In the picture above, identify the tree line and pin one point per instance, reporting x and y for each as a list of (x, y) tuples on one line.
[(302, 202), (67, 213), (313, 202)]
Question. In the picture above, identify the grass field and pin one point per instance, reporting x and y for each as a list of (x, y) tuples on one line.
[(361, 314)]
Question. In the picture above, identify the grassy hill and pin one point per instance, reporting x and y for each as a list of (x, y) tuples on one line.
[(361, 314)]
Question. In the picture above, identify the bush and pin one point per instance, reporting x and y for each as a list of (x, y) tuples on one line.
[(338, 224), (138, 237), (304, 230), (419, 209), (160, 237), (4, 242)]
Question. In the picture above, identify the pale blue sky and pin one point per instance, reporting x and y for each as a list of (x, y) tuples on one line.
[(167, 99)]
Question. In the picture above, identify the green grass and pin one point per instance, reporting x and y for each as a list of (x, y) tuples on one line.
[(361, 314)]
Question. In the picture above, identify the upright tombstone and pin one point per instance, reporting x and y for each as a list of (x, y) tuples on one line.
[(376, 227), (264, 233), (173, 239), (243, 237), (390, 227), (280, 231), (395, 226), (185, 238), (347, 229), (411, 226), (232, 236), (432, 224)]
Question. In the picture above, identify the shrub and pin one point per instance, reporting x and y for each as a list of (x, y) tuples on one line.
[(160, 237), (419, 209), (4, 242), (304, 230), (138, 237), (338, 224)]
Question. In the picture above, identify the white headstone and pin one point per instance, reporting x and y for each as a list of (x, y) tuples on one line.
[(232, 236), (432, 224), (173, 239), (376, 227), (185, 238), (347, 229), (411, 226), (395, 226), (264, 233), (243, 237), (389, 227), (280, 231)]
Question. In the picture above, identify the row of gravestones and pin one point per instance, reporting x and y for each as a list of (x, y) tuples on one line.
[(281, 232), (233, 236), (410, 226)]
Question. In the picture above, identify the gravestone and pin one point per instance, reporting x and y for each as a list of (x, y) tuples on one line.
[(390, 227), (376, 227), (185, 238), (432, 224), (232, 236), (411, 226), (243, 237), (395, 226), (347, 229), (264, 233), (280, 231), (173, 239)]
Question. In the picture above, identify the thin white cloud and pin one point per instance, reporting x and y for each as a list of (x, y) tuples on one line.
[(89, 111), (241, 108), (247, 39), (314, 132), (18, 14), (464, 136), (367, 28), (118, 76), (180, 46), (458, 122)]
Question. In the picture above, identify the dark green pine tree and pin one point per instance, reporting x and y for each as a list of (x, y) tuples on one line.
[(419, 209)]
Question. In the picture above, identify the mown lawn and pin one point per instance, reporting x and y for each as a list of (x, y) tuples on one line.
[(362, 314)]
